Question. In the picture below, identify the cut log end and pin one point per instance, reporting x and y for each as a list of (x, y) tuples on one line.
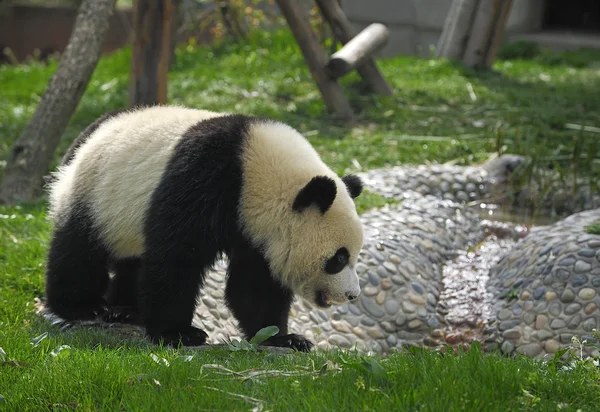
[(358, 50)]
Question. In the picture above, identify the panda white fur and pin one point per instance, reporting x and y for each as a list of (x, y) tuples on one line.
[(156, 194)]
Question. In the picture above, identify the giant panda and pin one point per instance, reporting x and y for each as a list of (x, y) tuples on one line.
[(157, 194)]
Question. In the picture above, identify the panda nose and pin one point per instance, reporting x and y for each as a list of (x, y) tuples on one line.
[(350, 296)]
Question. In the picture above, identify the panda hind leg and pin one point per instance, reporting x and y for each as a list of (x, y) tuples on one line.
[(76, 270), (121, 296), (257, 300)]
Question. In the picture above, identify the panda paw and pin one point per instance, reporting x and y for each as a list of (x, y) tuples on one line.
[(190, 336), (121, 314), (297, 342)]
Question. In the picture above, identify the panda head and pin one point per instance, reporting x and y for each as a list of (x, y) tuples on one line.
[(326, 240), (300, 214)]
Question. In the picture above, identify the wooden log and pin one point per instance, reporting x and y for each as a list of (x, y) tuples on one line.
[(357, 50), (151, 51), (316, 58), (498, 33), (344, 31), (457, 27), (484, 22)]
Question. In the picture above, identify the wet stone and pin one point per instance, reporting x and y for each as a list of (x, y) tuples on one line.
[(388, 327), (508, 324), (368, 321), (372, 307), (391, 307), (370, 291), (567, 296), (541, 322), (511, 334), (390, 267), (507, 347), (360, 332), (339, 340), (431, 299), (382, 272), (417, 288), (373, 279), (386, 284), (530, 349), (566, 337), (529, 318), (355, 310), (567, 261), (414, 324), (589, 324), (579, 280), (572, 308), (555, 309), (539, 292), (517, 310), (562, 275), (417, 300), (590, 308), (392, 340), (376, 333), (587, 253), (544, 334), (504, 314), (574, 322), (552, 346), (582, 266), (587, 293)]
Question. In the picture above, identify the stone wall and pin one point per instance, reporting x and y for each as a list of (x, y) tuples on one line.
[(415, 25)]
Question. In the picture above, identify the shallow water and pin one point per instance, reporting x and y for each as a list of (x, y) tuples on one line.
[(511, 215), (465, 302)]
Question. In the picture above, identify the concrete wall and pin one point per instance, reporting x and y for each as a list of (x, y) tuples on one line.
[(415, 25)]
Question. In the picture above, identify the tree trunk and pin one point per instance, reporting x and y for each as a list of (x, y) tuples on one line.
[(481, 32), (152, 51), (457, 28), (32, 152)]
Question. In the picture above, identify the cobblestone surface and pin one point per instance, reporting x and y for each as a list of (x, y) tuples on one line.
[(433, 272)]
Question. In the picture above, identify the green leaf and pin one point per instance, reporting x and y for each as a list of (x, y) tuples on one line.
[(264, 334)]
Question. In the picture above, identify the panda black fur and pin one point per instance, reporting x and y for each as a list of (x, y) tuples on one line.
[(156, 194)]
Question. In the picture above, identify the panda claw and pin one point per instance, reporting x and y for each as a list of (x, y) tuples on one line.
[(294, 341), (189, 337), (121, 314)]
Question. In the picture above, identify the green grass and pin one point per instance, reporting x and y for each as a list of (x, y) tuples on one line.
[(517, 106), (594, 228)]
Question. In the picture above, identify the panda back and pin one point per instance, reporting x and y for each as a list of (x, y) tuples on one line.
[(116, 170)]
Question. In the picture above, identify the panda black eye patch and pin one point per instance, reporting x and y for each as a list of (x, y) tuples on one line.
[(338, 262)]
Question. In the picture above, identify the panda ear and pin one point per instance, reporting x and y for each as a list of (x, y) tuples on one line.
[(354, 185), (320, 191)]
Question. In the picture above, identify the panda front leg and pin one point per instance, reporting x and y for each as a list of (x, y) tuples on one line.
[(257, 300)]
